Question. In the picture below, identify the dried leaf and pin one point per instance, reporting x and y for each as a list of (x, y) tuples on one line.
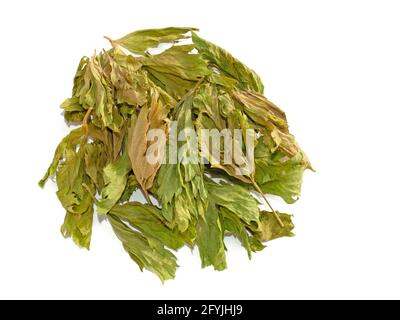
[(202, 190), (234, 198), (68, 143), (142, 40), (233, 225), (279, 175), (226, 63), (260, 109), (115, 179), (210, 239), (269, 229), (149, 220), (149, 118), (147, 252)]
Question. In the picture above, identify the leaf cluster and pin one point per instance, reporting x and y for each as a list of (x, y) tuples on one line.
[(118, 96)]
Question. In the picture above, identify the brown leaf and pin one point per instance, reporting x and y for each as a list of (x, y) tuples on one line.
[(149, 118), (260, 109)]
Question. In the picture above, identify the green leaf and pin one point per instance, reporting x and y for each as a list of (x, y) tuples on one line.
[(147, 252), (168, 186), (79, 75), (69, 142), (180, 187), (79, 227), (74, 117), (142, 40), (75, 192), (230, 66), (204, 190), (206, 101), (115, 179), (222, 80), (96, 94), (95, 160), (129, 82), (226, 105), (269, 229), (279, 175), (149, 220), (182, 201), (172, 84), (234, 198), (131, 187), (210, 239), (223, 121), (233, 225), (72, 104), (179, 64)]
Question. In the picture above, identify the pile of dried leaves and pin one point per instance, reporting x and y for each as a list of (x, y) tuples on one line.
[(121, 94)]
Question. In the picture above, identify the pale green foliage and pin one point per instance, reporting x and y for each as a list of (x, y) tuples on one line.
[(147, 252), (140, 41), (118, 98), (115, 179)]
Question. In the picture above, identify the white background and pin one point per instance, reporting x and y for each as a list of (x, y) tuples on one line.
[(333, 66)]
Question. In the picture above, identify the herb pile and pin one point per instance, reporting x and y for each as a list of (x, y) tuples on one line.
[(118, 97)]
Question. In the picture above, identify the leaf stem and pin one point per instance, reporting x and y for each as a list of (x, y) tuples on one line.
[(268, 203), (113, 42)]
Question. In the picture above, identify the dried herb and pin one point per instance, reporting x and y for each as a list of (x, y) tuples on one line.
[(145, 121)]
